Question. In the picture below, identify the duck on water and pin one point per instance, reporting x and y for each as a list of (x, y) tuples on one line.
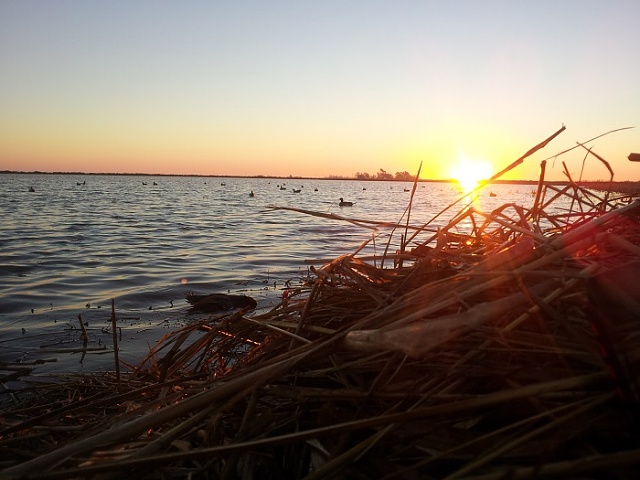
[(343, 203)]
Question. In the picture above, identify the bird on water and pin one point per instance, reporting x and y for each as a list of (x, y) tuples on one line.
[(343, 203)]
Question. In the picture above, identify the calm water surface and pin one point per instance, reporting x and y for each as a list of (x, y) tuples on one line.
[(67, 249)]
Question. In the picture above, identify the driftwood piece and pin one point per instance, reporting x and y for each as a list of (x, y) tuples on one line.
[(217, 302)]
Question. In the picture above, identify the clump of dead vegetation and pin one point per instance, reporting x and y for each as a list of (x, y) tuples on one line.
[(505, 344)]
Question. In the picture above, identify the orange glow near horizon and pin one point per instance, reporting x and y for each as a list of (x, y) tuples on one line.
[(468, 173), (233, 91)]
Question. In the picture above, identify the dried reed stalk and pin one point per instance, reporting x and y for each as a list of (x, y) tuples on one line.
[(508, 348)]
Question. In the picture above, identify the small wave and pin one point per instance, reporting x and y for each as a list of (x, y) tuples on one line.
[(67, 246)]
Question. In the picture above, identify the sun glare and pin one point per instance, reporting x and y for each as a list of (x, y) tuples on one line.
[(468, 173)]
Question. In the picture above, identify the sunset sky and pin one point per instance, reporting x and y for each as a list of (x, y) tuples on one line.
[(324, 88)]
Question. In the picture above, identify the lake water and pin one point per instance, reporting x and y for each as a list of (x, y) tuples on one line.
[(79, 241)]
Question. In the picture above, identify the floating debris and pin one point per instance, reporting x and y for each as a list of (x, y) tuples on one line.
[(216, 302)]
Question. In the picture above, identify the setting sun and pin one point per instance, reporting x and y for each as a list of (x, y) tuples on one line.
[(468, 173)]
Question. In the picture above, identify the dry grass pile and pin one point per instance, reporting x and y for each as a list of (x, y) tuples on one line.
[(503, 345)]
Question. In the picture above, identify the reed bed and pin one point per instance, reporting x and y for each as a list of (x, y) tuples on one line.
[(505, 344)]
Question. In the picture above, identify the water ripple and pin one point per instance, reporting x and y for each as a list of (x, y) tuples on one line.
[(67, 246)]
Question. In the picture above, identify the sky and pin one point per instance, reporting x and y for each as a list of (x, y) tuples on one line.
[(318, 89)]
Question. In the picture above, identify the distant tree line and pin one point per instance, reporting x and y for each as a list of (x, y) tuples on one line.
[(382, 174)]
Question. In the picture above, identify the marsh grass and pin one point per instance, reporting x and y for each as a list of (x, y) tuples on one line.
[(503, 345)]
